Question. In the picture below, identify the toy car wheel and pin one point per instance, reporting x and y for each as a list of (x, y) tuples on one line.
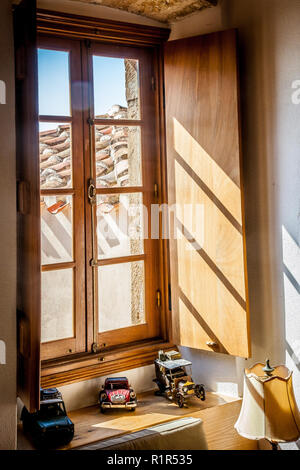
[(102, 409), (131, 409), (200, 392), (161, 389), (180, 401), (25, 416)]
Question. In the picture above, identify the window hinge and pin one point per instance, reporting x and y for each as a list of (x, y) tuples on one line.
[(158, 298), (95, 348), (93, 263), (155, 190), (170, 297), (164, 98), (23, 197), (92, 192), (90, 121), (153, 83)]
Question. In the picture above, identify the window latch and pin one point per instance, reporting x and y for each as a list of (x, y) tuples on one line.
[(92, 192)]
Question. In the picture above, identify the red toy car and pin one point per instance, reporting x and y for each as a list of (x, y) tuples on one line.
[(117, 393)]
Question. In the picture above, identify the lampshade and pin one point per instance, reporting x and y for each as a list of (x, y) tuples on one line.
[(269, 409)]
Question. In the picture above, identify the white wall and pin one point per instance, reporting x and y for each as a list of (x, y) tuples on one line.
[(8, 235), (86, 393), (203, 22), (269, 38)]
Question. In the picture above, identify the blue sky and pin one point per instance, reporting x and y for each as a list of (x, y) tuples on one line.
[(54, 92)]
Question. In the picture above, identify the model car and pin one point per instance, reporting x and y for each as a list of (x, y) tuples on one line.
[(174, 380), (117, 393), (50, 426)]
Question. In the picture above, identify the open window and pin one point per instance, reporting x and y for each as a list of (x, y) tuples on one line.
[(93, 176)]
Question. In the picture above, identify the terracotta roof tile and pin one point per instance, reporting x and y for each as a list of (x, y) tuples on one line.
[(111, 145)]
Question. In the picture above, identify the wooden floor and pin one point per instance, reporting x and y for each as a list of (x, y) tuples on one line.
[(218, 414)]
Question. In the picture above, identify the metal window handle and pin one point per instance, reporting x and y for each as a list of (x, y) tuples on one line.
[(92, 192)]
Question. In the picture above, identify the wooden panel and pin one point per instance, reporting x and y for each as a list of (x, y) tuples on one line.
[(82, 27), (208, 260), (66, 370), (218, 415), (77, 343), (29, 251)]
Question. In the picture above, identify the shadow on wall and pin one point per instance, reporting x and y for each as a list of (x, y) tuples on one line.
[(291, 283)]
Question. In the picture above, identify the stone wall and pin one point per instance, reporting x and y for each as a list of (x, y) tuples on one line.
[(135, 169)]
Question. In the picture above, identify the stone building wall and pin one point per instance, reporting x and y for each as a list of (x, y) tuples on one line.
[(134, 168)]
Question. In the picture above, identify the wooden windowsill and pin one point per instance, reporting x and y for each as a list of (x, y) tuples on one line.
[(86, 366), (218, 414)]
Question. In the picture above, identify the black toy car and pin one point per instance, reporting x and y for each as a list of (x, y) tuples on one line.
[(173, 379), (50, 426)]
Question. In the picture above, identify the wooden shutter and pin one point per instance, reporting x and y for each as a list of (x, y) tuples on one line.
[(29, 277), (208, 259)]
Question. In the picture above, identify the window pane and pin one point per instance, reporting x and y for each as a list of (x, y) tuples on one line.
[(57, 305), (121, 295), (54, 82), (120, 227), (118, 156), (116, 88), (55, 155), (56, 229)]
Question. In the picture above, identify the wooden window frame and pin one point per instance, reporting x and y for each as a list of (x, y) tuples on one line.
[(150, 328), (75, 344), (82, 365), (225, 328)]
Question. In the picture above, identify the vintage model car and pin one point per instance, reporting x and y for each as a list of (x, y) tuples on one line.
[(117, 393), (50, 426), (174, 380)]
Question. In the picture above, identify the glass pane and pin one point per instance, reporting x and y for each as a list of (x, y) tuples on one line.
[(56, 229), (120, 227), (116, 88), (54, 82), (118, 156), (121, 295), (55, 155), (57, 305)]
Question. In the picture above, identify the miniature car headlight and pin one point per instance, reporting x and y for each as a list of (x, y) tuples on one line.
[(132, 395)]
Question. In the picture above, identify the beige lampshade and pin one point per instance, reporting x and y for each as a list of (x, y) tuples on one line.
[(269, 409)]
